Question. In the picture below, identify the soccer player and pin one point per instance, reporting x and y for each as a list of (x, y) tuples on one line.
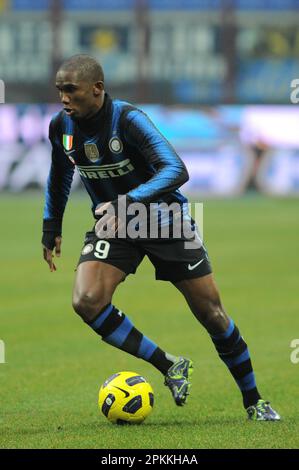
[(123, 159)]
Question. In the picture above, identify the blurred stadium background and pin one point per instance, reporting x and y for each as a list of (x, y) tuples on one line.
[(215, 76), (179, 60)]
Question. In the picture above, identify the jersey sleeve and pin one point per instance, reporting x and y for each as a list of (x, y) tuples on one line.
[(169, 171), (58, 184)]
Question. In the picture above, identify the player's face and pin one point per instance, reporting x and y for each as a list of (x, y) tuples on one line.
[(80, 99)]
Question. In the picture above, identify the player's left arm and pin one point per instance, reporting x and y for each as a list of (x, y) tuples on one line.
[(169, 170)]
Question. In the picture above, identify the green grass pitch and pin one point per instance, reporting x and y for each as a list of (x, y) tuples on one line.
[(55, 364)]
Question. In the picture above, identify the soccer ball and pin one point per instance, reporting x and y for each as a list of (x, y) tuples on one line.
[(126, 397)]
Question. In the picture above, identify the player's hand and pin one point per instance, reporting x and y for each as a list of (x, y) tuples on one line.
[(113, 216), (48, 254), (108, 224)]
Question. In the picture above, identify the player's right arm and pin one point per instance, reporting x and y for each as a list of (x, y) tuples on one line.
[(56, 196)]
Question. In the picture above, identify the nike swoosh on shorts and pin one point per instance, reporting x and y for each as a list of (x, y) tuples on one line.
[(195, 265)]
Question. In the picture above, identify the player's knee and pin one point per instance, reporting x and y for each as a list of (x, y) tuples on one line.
[(88, 304)]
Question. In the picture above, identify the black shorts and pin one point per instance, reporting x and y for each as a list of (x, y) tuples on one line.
[(172, 261)]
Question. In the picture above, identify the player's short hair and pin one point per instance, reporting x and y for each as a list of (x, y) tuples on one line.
[(87, 67)]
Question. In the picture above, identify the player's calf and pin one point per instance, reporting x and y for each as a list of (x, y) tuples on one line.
[(116, 329), (203, 298)]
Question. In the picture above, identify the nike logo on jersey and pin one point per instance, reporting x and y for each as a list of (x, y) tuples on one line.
[(195, 265), (69, 152)]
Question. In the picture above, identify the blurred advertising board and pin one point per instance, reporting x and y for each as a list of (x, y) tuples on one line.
[(158, 4), (227, 149), (184, 61)]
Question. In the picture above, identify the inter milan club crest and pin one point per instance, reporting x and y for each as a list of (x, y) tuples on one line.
[(67, 141), (92, 152), (115, 145)]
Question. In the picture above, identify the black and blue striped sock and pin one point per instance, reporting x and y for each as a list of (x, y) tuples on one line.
[(233, 351), (116, 329)]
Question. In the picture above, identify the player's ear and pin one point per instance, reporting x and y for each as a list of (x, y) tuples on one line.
[(98, 88)]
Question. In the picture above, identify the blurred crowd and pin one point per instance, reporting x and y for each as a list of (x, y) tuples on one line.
[(166, 51), (212, 74)]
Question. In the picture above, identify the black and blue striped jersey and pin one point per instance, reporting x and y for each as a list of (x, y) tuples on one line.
[(117, 151)]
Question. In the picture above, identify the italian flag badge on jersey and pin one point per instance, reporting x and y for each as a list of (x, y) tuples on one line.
[(67, 141)]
